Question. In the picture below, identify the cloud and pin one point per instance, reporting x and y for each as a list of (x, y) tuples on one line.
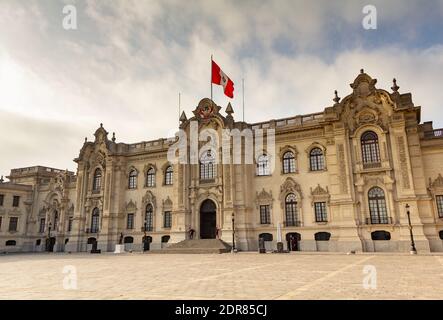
[(128, 60)]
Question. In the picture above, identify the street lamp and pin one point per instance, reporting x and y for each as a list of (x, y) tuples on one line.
[(49, 236), (413, 250), (233, 233), (145, 239)]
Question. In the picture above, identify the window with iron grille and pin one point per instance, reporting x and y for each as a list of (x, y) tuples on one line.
[(288, 162), (167, 219), (316, 159), (263, 165), (265, 214), (42, 225), (97, 181), (16, 201), (132, 183), (149, 217), (439, 200), (150, 178), (320, 212), (291, 210), (13, 222), (377, 206), (95, 220), (130, 221), (168, 175), (207, 167), (369, 147), (2, 197), (70, 221)]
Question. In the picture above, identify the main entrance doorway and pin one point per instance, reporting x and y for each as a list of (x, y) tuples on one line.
[(208, 222)]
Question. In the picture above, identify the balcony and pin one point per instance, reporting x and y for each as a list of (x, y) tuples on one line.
[(292, 223), (371, 165), (379, 220), (148, 229)]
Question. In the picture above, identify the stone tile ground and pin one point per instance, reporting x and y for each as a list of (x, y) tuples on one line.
[(226, 276)]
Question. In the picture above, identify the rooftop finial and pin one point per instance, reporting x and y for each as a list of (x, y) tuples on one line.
[(101, 125), (229, 109), (395, 87), (1, 179), (183, 117), (86, 139), (113, 137), (336, 98), (362, 70)]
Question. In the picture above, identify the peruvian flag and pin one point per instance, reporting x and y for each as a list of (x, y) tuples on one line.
[(219, 77)]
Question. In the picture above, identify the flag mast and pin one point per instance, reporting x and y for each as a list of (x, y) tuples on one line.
[(211, 78), (243, 93), (179, 115)]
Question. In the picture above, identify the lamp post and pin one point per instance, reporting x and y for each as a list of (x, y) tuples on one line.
[(413, 249), (233, 233), (145, 239), (49, 236)]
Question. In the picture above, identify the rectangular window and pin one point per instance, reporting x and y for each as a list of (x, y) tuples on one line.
[(320, 212), (42, 225), (439, 200), (265, 216), (70, 224), (13, 222), (130, 221), (15, 201), (168, 219), (2, 197)]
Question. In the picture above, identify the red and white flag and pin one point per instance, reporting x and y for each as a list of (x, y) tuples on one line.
[(219, 77)]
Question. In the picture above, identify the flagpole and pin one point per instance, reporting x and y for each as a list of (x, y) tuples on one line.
[(211, 77), (179, 109), (243, 92)]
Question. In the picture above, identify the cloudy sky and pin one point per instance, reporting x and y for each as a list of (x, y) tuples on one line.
[(128, 60)]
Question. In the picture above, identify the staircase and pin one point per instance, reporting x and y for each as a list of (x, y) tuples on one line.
[(197, 246)]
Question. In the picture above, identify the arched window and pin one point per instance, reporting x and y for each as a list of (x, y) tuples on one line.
[(97, 183), (440, 234), (288, 162), (266, 236), (316, 159), (377, 206), (132, 183), (168, 175), (369, 147), (380, 235), (95, 220), (165, 239), (291, 211), (207, 167), (150, 178), (10, 243), (263, 165), (322, 236), (148, 223)]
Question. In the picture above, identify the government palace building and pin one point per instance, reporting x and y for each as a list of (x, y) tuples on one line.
[(344, 179)]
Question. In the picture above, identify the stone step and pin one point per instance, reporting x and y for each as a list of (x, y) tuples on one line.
[(197, 246)]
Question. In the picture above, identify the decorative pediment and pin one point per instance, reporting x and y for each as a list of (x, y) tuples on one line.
[(264, 198), (149, 198), (437, 183), (149, 166), (131, 206), (290, 186), (363, 85), (319, 191), (167, 204), (287, 148)]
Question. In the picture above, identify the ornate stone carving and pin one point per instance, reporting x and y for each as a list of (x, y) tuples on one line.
[(149, 198), (289, 186), (167, 204), (263, 198), (341, 160), (131, 206), (403, 162), (318, 194)]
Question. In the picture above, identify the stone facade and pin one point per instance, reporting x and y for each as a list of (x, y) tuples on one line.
[(338, 180)]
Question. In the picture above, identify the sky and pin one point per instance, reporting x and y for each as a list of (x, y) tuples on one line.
[(127, 61)]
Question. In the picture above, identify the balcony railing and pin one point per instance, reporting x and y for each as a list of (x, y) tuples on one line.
[(437, 133), (148, 229), (294, 223), (92, 230), (379, 220)]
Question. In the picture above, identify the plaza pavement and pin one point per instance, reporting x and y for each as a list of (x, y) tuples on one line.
[(223, 276)]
